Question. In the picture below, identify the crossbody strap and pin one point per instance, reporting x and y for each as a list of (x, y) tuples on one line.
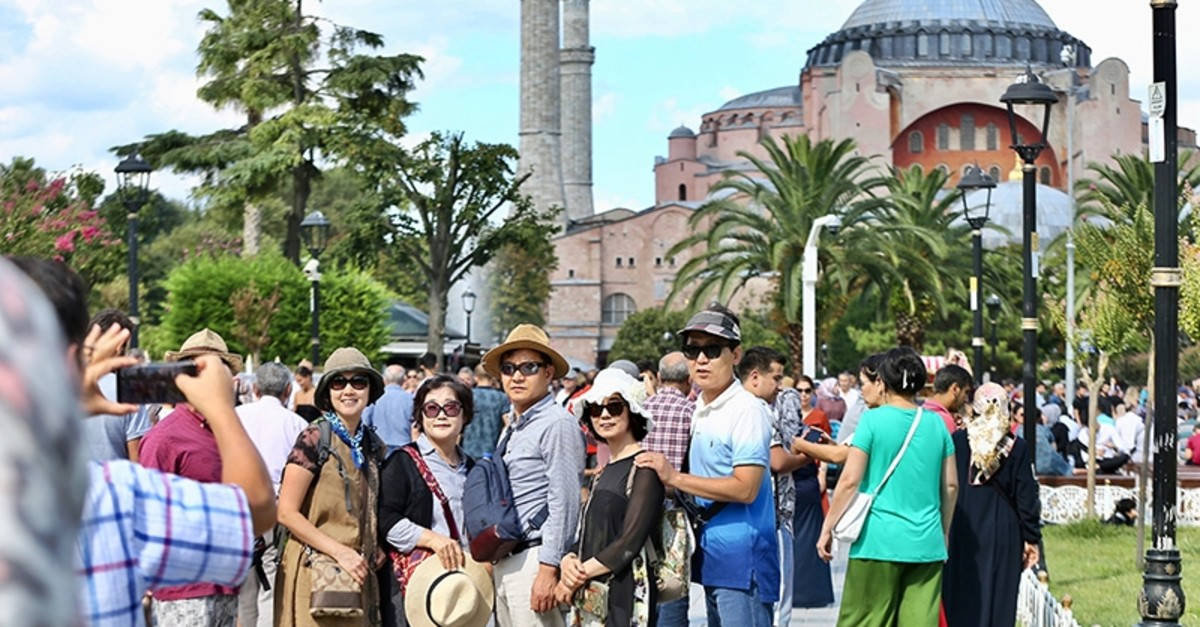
[(900, 454), (432, 484)]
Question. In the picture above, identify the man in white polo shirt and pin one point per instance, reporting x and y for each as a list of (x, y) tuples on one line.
[(737, 559)]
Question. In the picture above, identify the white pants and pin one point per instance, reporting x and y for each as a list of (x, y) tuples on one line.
[(255, 606), (513, 578)]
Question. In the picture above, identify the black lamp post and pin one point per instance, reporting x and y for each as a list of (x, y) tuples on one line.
[(977, 217), (1029, 91), (993, 305), (314, 230), (133, 183), (468, 303), (1161, 601)]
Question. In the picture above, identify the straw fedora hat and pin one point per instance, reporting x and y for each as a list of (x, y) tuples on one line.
[(526, 336), (206, 342), (436, 597), (343, 360)]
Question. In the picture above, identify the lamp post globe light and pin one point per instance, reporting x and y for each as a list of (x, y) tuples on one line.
[(1029, 91), (314, 231), (1161, 600), (977, 217), (468, 303), (133, 183)]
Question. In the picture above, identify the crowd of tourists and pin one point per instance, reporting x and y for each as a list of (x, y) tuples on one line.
[(521, 492)]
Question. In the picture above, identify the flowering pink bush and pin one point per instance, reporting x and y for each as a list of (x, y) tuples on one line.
[(48, 219)]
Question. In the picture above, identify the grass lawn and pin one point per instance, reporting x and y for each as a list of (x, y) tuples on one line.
[(1094, 563)]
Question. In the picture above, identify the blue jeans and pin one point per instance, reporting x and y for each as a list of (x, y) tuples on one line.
[(736, 608), (673, 613), (783, 609)]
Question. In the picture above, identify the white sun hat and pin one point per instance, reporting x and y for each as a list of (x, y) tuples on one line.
[(616, 381)]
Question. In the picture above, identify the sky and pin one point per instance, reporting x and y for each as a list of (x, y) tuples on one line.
[(81, 76)]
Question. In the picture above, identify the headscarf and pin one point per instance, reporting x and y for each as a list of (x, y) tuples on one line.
[(828, 388), (1051, 413), (988, 433)]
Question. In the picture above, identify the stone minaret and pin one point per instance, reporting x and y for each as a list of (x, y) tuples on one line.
[(577, 58), (540, 132)]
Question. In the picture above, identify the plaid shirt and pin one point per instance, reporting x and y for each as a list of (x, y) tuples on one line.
[(672, 432), (143, 528)]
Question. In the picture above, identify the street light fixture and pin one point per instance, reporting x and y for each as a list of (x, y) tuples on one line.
[(1032, 92), (1161, 601), (314, 231), (133, 183), (993, 305), (977, 217), (468, 303), (809, 296)]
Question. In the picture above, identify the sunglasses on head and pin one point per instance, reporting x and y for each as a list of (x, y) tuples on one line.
[(358, 382), (613, 407), (527, 368), (452, 409), (711, 351)]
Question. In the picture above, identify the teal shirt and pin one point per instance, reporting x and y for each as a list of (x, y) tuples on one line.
[(905, 522)]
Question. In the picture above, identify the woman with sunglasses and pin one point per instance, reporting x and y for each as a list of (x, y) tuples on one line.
[(327, 501), (609, 560), (420, 506)]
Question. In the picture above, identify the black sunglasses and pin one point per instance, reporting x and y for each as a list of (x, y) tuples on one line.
[(527, 368), (614, 408), (452, 409), (358, 382), (804, 390), (711, 351)]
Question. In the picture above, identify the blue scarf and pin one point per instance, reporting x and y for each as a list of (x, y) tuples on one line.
[(353, 441)]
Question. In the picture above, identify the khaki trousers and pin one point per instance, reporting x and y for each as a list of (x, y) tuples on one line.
[(513, 578)]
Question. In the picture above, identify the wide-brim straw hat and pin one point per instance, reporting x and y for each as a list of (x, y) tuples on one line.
[(525, 336), (436, 597), (206, 342), (343, 360), (616, 381)]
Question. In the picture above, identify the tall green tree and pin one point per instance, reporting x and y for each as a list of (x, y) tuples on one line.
[(519, 277), (443, 199), (759, 221), (306, 90), (1115, 192)]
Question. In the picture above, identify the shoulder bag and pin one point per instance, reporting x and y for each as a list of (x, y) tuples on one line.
[(404, 564), (849, 526)]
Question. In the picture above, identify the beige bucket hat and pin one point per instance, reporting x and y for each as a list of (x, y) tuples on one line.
[(526, 336), (206, 342), (436, 597), (343, 360)]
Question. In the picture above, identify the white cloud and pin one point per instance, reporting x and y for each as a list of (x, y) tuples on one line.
[(729, 92), (604, 202), (604, 105)]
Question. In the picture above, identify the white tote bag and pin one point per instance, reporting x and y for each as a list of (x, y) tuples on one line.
[(850, 525)]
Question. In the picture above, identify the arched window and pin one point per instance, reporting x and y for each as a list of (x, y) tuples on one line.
[(917, 167), (966, 135), (922, 44), (1044, 175), (945, 169), (944, 43), (993, 137), (943, 136), (965, 50), (916, 142), (682, 191), (617, 307), (994, 172)]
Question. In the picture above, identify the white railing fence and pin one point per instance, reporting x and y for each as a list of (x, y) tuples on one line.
[(1036, 607)]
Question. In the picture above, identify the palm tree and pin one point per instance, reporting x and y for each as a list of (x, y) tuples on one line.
[(758, 221), (1115, 193), (908, 250)]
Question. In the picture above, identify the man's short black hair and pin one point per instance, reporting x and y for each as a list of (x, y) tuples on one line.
[(64, 289), (645, 365), (105, 318), (949, 375), (428, 361), (758, 358)]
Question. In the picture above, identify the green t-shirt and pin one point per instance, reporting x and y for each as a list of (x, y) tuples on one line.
[(905, 522)]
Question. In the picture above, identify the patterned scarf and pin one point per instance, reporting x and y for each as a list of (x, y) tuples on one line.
[(353, 441), (988, 432)]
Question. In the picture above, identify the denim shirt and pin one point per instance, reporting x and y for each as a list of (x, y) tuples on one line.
[(545, 458)]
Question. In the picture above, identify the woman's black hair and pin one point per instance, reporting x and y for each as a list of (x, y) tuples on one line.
[(902, 371), (437, 382), (869, 367), (638, 426)]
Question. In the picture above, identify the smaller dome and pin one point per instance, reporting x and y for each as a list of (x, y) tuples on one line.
[(786, 96), (1053, 213), (682, 132)]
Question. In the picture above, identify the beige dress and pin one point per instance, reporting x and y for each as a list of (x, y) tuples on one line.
[(325, 508)]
